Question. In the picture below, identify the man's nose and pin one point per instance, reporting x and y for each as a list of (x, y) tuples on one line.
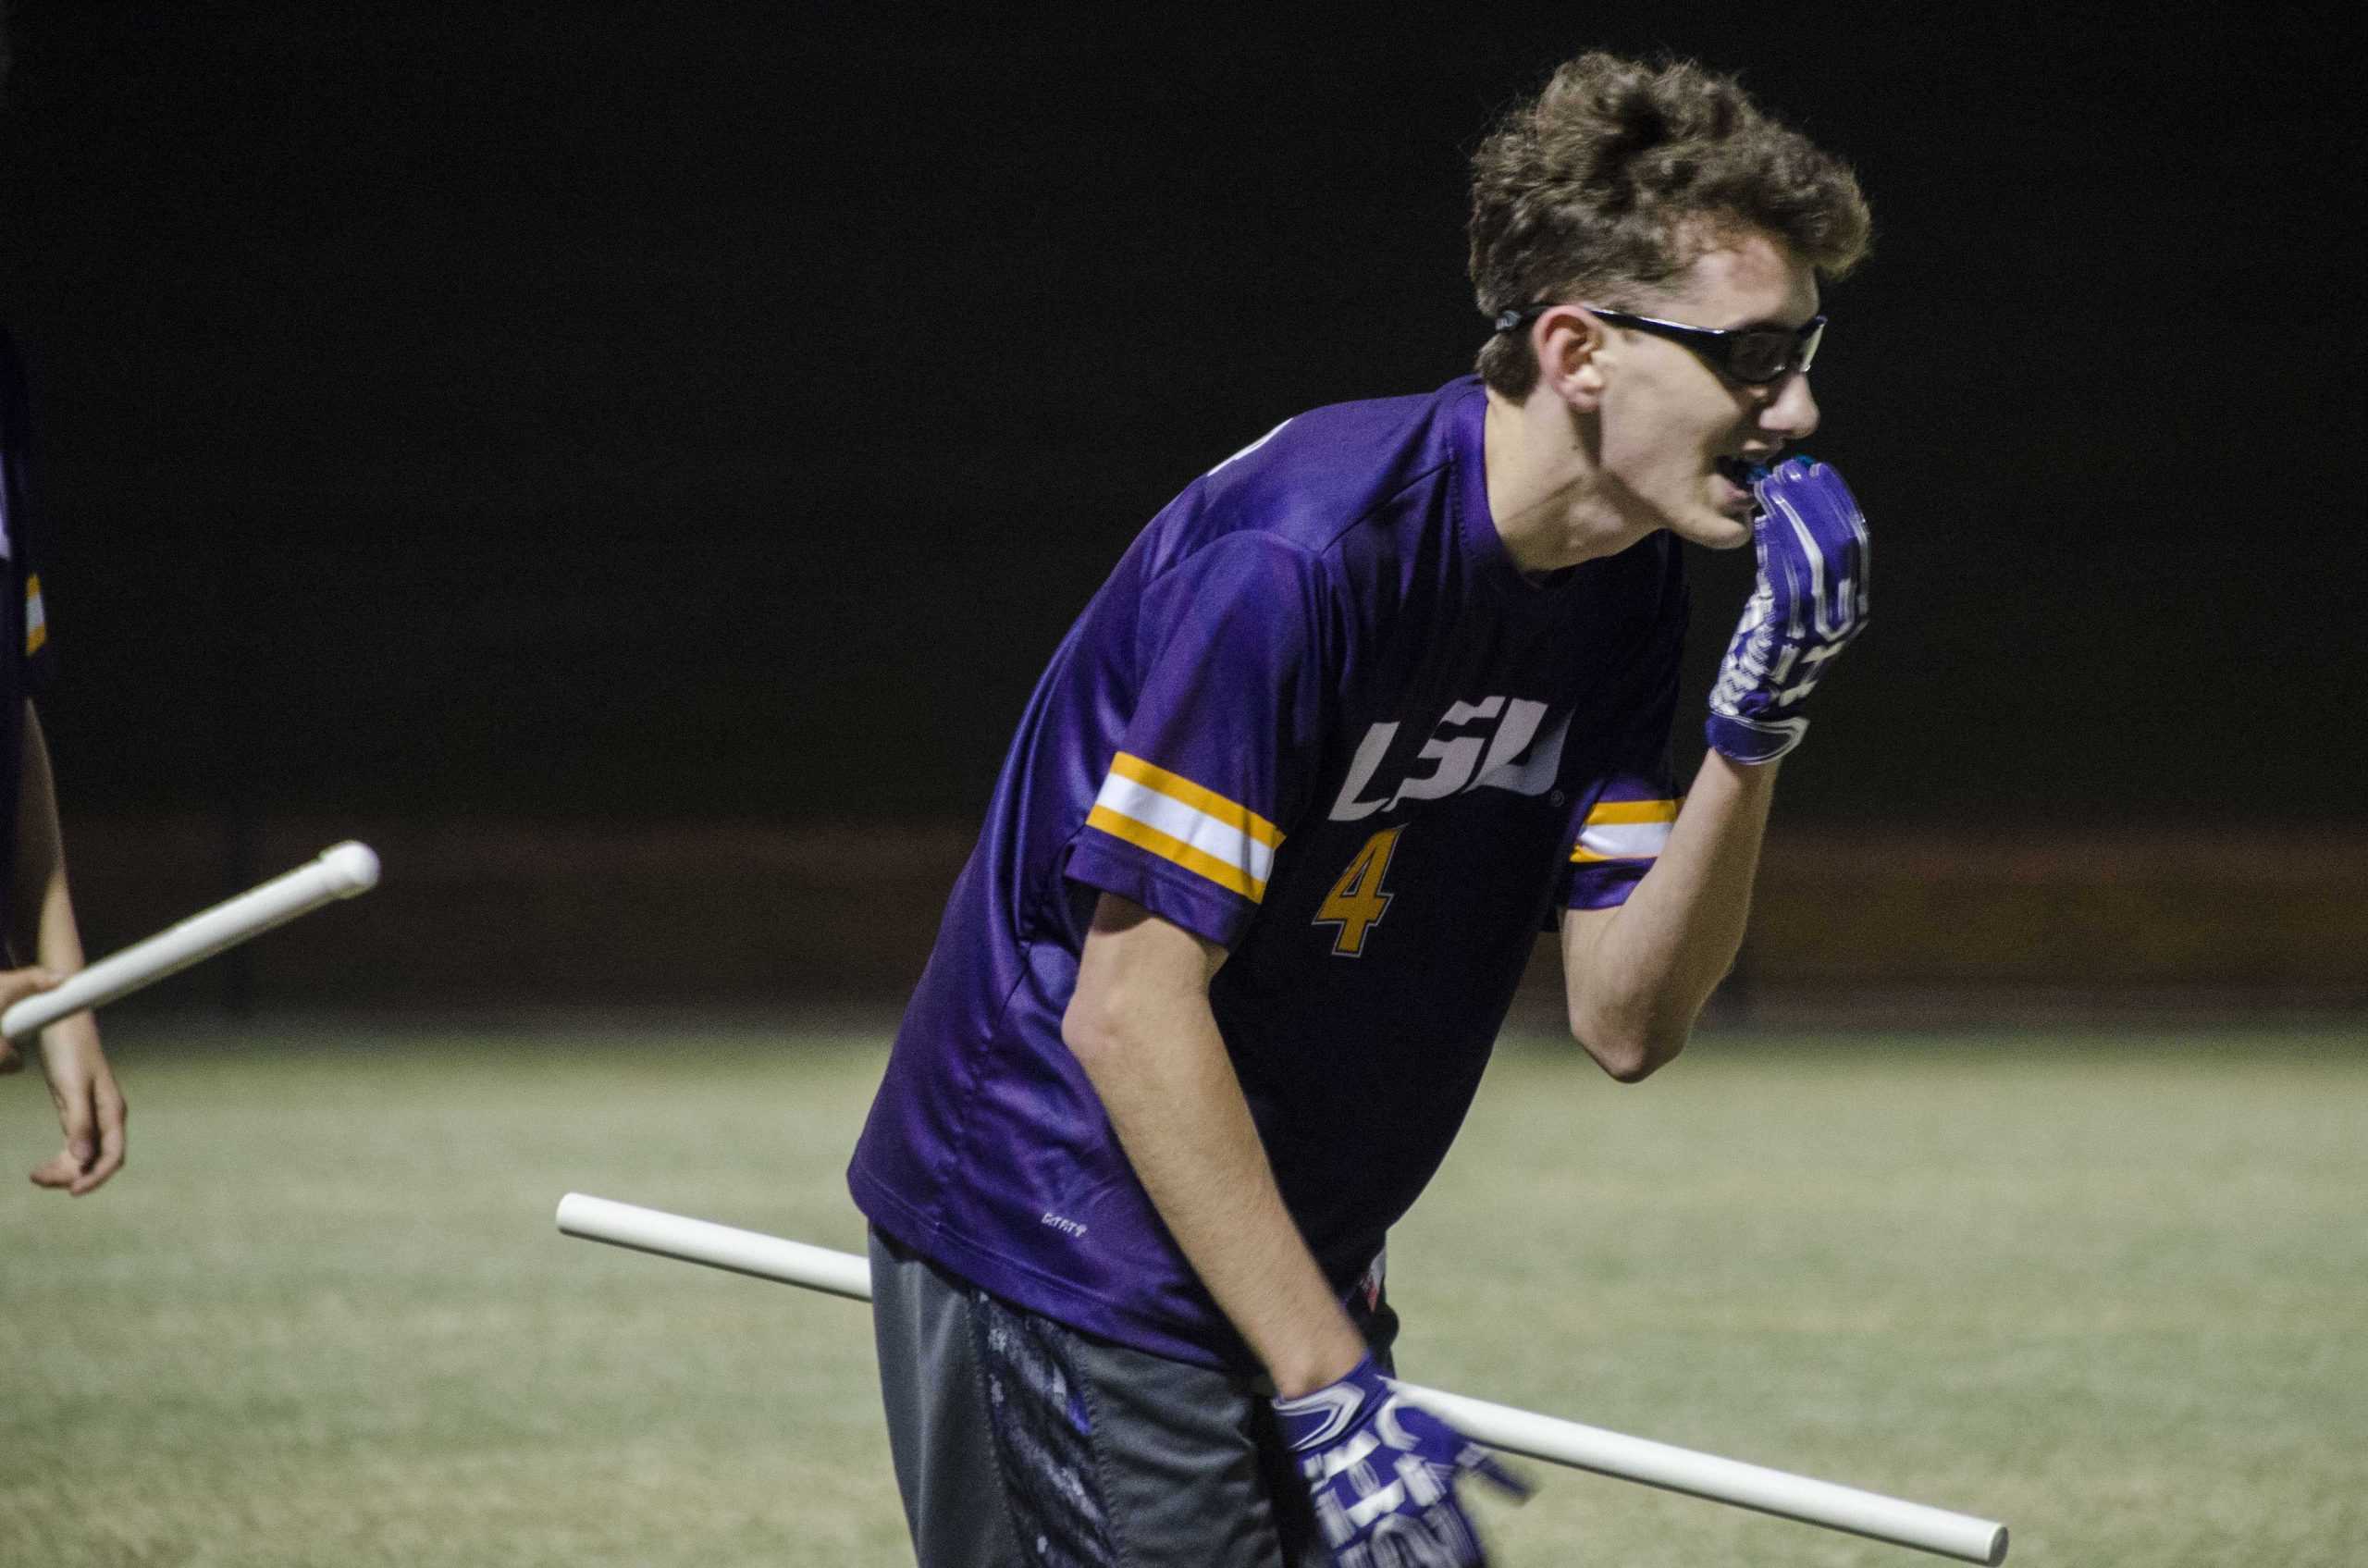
[(1792, 413)]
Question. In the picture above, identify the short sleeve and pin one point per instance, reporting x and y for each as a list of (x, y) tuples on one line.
[(20, 535), (40, 656), (1221, 745), (1623, 821)]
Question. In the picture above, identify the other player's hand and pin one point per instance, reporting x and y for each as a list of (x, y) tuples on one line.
[(91, 1109), (1383, 1472), (1811, 540)]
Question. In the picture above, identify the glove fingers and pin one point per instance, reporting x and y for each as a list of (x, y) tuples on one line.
[(1506, 1480), (1791, 577), (1784, 573), (1849, 554), (1826, 537), (1771, 548), (1760, 480), (1862, 568), (1848, 547)]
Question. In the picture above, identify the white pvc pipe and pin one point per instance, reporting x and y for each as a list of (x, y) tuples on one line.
[(1720, 1480), (718, 1246), (340, 872), (1501, 1426)]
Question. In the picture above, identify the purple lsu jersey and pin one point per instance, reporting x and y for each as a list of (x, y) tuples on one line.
[(1317, 716)]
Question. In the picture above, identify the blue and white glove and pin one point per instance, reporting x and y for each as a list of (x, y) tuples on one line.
[(1383, 1472), (1811, 539)]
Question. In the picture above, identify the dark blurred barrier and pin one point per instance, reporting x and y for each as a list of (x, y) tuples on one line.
[(1882, 926), (546, 914), (2221, 920)]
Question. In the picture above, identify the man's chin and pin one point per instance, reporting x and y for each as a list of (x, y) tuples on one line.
[(1712, 529)]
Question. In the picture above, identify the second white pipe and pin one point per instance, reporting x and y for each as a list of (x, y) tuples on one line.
[(1935, 1530)]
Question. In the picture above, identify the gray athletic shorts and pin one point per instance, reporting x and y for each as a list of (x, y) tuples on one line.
[(1020, 1443)]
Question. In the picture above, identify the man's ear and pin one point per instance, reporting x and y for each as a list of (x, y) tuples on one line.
[(1569, 343)]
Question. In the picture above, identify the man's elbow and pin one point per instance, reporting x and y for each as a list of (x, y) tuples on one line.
[(1099, 1025), (1629, 1052), (1088, 1029)]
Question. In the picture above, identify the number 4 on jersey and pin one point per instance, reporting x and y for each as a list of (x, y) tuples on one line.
[(1356, 902)]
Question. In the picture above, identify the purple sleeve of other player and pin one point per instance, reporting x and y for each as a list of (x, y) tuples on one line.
[(1223, 742), (28, 658), (24, 621)]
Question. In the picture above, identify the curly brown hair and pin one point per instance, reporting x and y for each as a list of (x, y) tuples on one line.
[(1619, 173)]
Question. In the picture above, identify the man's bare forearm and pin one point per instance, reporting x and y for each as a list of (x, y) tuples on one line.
[(1142, 1028), (90, 1105), (1639, 975), (42, 929)]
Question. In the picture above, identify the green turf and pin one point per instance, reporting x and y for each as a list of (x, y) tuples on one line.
[(2115, 1292)]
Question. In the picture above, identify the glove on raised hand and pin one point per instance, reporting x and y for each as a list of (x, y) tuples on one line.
[(1383, 1472), (1811, 540)]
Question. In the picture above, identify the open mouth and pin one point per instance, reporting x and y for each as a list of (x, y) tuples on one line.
[(1741, 500)]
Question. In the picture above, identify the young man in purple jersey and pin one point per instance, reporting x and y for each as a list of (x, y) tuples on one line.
[(1363, 710)]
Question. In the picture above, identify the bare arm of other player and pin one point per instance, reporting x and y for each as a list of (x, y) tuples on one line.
[(90, 1107), (1139, 1024), (1637, 975)]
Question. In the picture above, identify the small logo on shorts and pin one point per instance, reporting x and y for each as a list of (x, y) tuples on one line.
[(1067, 1227)]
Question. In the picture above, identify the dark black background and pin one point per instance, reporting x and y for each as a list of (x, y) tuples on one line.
[(711, 409)]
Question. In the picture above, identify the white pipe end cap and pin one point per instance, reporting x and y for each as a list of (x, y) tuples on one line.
[(353, 868)]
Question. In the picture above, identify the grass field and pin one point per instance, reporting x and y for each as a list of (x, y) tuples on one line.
[(2114, 1291)]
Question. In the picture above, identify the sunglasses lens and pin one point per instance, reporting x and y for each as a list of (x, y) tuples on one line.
[(1756, 357)]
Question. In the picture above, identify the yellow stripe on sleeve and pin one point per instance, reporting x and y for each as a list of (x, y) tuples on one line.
[(1176, 787), (1611, 813), (1624, 830), (1143, 836)]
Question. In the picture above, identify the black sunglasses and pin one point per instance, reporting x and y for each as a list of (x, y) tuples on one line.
[(1753, 355)]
